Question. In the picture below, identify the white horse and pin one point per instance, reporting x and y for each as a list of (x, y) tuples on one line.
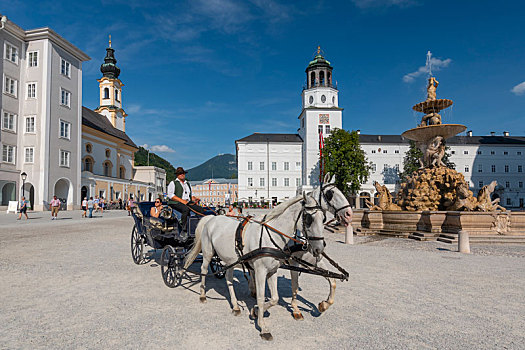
[(217, 234), (335, 204)]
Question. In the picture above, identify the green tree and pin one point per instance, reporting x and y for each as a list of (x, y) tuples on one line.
[(411, 160), (344, 158)]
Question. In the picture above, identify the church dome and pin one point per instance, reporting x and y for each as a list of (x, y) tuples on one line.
[(109, 68)]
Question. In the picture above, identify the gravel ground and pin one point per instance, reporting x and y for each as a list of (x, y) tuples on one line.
[(71, 283)]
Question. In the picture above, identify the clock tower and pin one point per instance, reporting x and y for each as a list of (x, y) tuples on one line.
[(319, 116), (111, 91)]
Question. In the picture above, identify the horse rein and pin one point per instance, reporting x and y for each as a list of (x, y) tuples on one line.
[(324, 196)]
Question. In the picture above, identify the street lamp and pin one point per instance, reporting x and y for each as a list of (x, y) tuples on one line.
[(24, 177)]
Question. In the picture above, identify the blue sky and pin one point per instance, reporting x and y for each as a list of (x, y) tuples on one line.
[(200, 74)]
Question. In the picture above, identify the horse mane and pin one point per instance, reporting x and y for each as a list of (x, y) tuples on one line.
[(278, 210)]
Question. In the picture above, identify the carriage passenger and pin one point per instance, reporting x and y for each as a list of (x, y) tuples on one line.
[(155, 210), (182, 200)]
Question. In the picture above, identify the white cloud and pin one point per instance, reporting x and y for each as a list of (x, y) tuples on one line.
[(362, 4), (158, 148), (519, 89), (437, 64)]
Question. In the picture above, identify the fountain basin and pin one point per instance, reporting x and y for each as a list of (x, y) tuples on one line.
[(432, 105), (425, 133)]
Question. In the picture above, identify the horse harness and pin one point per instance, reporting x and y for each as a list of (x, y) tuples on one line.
[(328, 196)]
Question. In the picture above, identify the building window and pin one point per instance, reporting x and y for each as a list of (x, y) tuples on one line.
[(106, 93), (505, 153), (396, 168), (11, 86), (507, 184), (261, 182), (465, 152), (65, 68), (11, 53), (520, 184), (30, 124), (453, 152), (89, 148), (122, 172), (480, 168), (492, 153), (31, 90), (297, 165), (286, 166), (480, 184), (467, 169), (8, 154), (327, 129), (493, 168), (9, 121), (518, 153), (520, 168), (64, 158), (261, 166), (29, 154), (396, 151), (250, 182), (274, 181), (286, 182), (65, 129), (385, 167), (385, 151), (274, 165), (107, 168), (116, 96), (479, 152), (509, 201), (373, 151), (373, 168), (506, 168), (250, 166), (319, 129), (65, 98), (88, 164), (32, 59), (297, 181), (108, 153)]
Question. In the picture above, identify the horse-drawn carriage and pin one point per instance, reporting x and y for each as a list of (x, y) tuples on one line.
[(164, 233)]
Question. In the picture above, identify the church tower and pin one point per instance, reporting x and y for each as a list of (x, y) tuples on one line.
[(111, 91), (320, 115)]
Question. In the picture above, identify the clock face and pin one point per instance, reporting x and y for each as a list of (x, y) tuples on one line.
[(311, 99), (323, 98)]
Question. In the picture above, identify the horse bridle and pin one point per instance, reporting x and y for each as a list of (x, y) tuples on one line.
[(307, 220), (328, 196)]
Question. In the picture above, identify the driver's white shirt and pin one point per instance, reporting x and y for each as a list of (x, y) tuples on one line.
[(185, 190)]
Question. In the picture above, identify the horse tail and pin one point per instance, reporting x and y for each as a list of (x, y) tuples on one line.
[(197, 245)]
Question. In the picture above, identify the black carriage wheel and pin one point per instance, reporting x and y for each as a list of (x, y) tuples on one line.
[(137, 246), (215, 265), (170, 266)]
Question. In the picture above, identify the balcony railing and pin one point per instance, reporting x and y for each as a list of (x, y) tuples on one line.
[(318, 84)]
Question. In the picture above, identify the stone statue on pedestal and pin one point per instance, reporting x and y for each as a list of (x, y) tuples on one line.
[(431, 88)]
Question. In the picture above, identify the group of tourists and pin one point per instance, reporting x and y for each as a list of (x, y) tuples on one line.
[(90, 205)]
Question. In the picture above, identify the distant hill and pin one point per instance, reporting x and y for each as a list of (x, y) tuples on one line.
[(141, 158), (221, 166)]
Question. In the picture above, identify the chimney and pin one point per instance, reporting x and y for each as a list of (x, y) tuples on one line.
[(469, 133), (379, 138), (358, 132), (492, 133), (506, 133)]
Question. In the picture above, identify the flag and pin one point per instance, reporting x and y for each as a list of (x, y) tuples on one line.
[(321, 146)]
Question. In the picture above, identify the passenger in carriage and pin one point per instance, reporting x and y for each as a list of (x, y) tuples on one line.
[(155, 211), (181, 199)]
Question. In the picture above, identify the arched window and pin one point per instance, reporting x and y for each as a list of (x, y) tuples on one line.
[(106, 93), (321, 78), (89, 147), (107, 168), (329, 79), (122, 172), (312, 79), (88, 164), (108, 153), (116, 95)]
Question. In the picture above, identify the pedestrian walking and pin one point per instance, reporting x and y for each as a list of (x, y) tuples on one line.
[(23, 208), (120, 203), (95, 203), (101, 203), (84, 207), (54, 206), (90, 206)]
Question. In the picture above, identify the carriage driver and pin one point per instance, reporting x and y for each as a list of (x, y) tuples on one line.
[(179, 193)]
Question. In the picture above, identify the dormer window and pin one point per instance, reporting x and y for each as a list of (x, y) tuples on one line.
[(106, 93)]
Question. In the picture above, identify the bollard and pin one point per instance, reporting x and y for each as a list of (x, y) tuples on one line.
[(349, 234), (463, 242)]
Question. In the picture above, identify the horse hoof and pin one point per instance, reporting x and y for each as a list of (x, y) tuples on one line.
[(298, 316), (323, 306), (202, 299), (267, 336), (236, 312), (253, 312)]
